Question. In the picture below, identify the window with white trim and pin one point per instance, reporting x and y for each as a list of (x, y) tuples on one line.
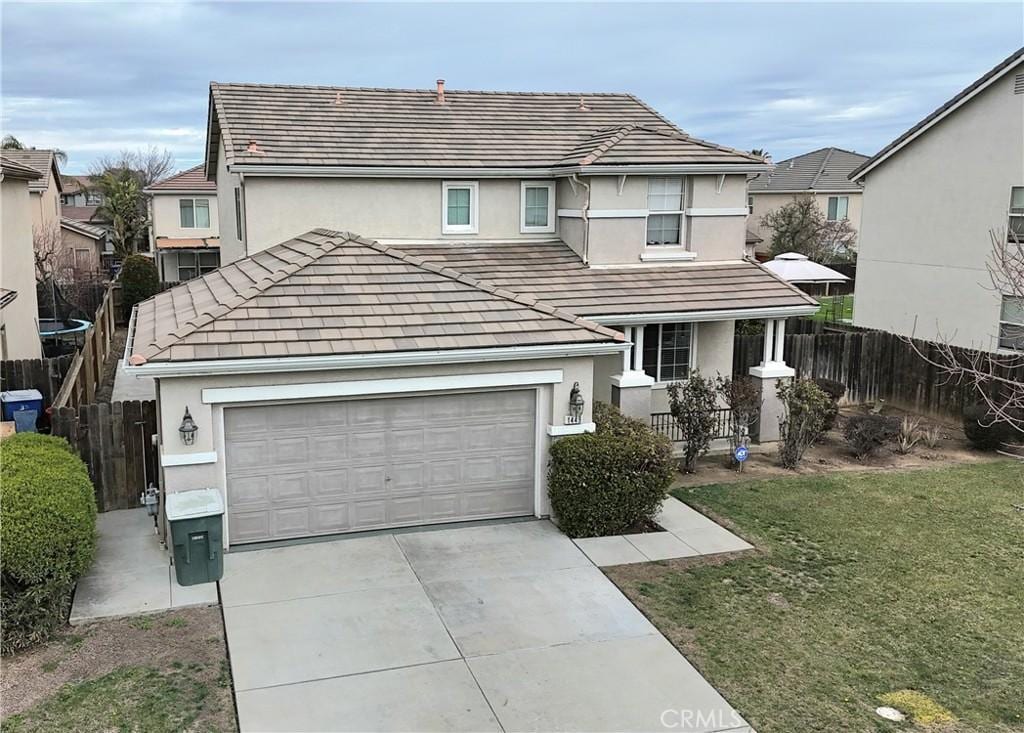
[(665, 210), (194, 213), (750, 204), (93, 198), (1011, 323), (668, 351), (194, 264), (459, 207), (1016, 224), (838, 207), (537, 199)]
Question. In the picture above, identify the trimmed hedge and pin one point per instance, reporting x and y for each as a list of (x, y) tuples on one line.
[(48, 535), (984, 434), (606, 482)]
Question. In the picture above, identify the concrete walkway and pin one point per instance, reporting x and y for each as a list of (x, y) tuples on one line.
[(132, 573), (507, 627), (688, 533), (129, 387)]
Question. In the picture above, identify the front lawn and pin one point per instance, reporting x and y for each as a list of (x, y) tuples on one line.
[(865, 584)]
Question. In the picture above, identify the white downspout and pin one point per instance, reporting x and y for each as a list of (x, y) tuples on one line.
[(585, 215)]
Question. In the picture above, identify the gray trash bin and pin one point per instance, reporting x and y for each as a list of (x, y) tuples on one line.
[(196, 528)]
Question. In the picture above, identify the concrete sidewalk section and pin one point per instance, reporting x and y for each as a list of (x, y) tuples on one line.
[(688, 533), (132, 573), (507, 627)]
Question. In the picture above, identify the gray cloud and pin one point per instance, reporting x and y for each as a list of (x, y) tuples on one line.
[(94, 78)]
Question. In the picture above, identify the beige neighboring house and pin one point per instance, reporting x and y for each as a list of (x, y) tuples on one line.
[(822, 174), (931, 199), (19, 318), (423, 289), (84, 245), (183, 234), (46, 190)]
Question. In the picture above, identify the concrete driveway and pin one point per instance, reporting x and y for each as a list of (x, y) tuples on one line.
[(487, 628)]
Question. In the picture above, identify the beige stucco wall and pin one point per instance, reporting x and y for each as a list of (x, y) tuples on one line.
[(46, 206), (231, 247), (17, 272), (765, 203), (925, 225), (165, 210), (177, 393), (90, 250)]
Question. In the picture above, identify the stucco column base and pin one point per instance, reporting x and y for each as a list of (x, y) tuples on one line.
[(631, 393), (770, 374)]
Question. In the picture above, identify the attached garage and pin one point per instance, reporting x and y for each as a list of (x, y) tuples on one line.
[(316, 468)]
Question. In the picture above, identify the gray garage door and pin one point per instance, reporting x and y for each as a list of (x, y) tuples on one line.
[(318, 468)]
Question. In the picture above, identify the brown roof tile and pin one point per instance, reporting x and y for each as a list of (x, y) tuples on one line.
[(40, 160), (194, 179)]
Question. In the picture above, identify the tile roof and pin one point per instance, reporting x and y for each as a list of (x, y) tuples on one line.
[(14, 169), (554, 274), (187, 242), (75, 184), (329, 293), (81, 227), (42, 160), (343, 126), (827, 169), (981, 82), (194, 179), (81, 213)]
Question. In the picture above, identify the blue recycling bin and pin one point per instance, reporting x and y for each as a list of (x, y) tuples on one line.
[(23, 407)]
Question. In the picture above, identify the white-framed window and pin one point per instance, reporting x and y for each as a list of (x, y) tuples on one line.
[(838, 207), (194, 264), (194, 213), (459, 207), (537, 207), (669, 351), (1016, 223), (750, 204), (93, 198), (664, 211), (1011, 323), (238, 212)]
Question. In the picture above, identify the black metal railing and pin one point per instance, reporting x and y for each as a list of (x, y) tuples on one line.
[(664, 423)]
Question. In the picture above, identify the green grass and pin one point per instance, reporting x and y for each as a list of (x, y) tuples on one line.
[(835, 308), (127, 699), (865, 584)]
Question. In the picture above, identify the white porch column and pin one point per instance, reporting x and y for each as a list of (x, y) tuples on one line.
[(770, 371), (631, 390)]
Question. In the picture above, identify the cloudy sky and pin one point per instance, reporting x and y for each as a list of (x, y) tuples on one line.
[(94, 78)]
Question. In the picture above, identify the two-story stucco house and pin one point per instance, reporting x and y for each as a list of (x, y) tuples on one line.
[(19, 320), (423, 288), (931, 199), (184, 225), (821, 174), (45, 191)]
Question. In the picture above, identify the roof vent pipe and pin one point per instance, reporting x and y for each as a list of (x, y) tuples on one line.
[(583, 106), (440, 91)]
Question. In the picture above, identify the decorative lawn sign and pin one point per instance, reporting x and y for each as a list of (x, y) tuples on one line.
[(741, 453)]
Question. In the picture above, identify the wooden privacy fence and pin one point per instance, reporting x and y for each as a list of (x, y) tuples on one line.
[(116, 442), (874, 365), (46, 375), (86, 369)]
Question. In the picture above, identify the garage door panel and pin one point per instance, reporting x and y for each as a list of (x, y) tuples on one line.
[(375, 463)]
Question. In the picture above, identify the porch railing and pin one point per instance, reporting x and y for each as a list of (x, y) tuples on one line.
[(664, 423)]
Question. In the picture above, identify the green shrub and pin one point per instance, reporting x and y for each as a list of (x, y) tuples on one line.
[(47, 531), (835, 391), (139, 281), (983, 432), (868, 433), (605, 482), (693, 404), (805, 410)]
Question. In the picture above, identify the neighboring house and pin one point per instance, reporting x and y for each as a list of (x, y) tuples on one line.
[(822, 174), (79, 192), (45, 191), (85, 245), (523, 255), (931, 199), (184, 225), (19, 324)]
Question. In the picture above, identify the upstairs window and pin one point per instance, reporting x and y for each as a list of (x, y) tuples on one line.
[(668, 350), (194, 213), (1011, 324), (93, 198), (665, 211), (538, 203), (238, 212), (750, 204), (460, 207), (1016, 225), (838, 207)]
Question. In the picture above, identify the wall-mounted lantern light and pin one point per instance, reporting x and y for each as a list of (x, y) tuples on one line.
[(575, 416), (188, 429)]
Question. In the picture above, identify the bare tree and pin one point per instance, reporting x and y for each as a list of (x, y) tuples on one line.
[(992, 376), (52, 258), (148, 166), (801, 226)]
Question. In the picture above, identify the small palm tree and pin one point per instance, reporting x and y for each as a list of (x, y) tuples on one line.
[(124, 207)]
